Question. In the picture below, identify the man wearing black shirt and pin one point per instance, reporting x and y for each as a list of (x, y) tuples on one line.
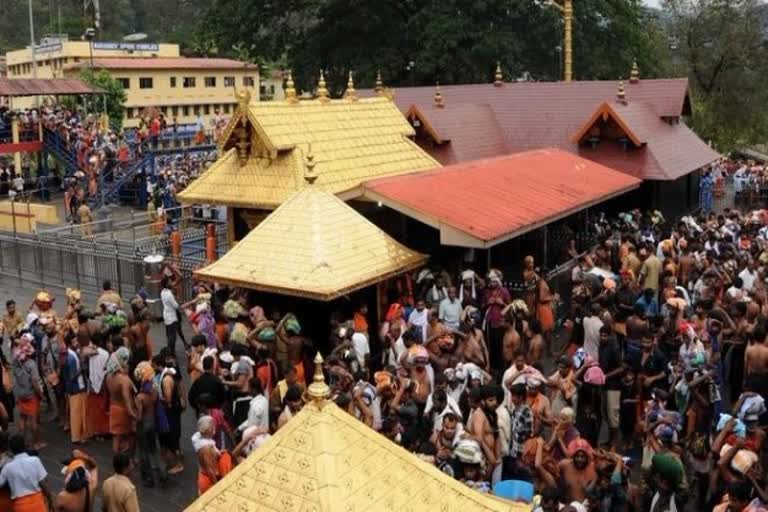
[(613, 367), (207, 384)]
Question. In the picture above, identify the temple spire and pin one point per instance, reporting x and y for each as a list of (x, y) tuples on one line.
[(621, 93), (309, 173), (322, 89), (634, 75), (438, 98), (379, 84), (498, 78), (319, 390), (350, 93), (290, 89)]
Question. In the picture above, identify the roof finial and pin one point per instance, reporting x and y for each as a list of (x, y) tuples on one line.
[(319, 390), (243, 97), (290, 89), (621, 94), (322, 90), (438, 98), (379, 84), (498, 78), (309, 174), (634, 75), (350, 93)]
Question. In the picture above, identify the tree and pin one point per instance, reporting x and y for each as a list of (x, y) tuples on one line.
[(723, 46), (113, 94)]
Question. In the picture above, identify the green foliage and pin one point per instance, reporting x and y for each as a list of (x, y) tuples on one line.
[(112, 91), (723, 46)]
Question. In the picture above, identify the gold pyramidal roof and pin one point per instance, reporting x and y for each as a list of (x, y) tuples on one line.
[(315, 246), (324, 460), (353, 141)]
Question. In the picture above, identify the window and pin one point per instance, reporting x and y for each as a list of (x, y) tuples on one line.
[(229, 81), (272, 89), (185, 110), (173, 81), (164, 110), (125, 83), (189, 82), (175, 111), (128, 112), (210, 81), (248, 81), (226, 108), (206, 110), (77, 59), (145, 83)]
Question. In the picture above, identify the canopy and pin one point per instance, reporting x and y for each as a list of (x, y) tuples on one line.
[(313, 246), (325, 460), (483, 203), (44, 87)]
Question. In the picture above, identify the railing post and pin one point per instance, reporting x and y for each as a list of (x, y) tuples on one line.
[(118, 272)]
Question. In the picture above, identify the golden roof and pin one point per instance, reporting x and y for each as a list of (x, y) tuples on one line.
[(353, 141), (315, 246), (324, 459)]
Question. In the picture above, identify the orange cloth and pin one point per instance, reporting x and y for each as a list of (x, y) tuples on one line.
[(98, 417), (204, 481), (299, 367), (546, 317), (29, 406), (5, 500), (120, 422), (360, 323), (30, 503)]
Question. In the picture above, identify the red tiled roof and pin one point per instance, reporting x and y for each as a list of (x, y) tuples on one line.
[(163, 63), (501, 197), (43, 87), (533, 115)]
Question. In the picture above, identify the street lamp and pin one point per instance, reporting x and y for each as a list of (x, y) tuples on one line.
[(89, 35), (32, 40)]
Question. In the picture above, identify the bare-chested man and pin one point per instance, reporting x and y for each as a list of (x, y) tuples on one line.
[(756, 356), (473, 348), (294, 344), (484, 428), (577, 472), (536, 343), (122, 414), (515, 326)]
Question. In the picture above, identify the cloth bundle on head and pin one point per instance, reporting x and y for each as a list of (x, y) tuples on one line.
[(43, 300), (752, 408), (233, 309), (468, 451), (24, 349), (291, 324), (519, 307), (73, 296), (668, 468), (467, 275), (203, 297), (609, 284), (495, 276), (239, 334), (417, 354), (384, 381), (144, 372), (424, 275), (470, 312), (579, 357), (678, 304), (594, 375), (118, 360), (739, 430), (579, 445), (395, 312), (742, 461)]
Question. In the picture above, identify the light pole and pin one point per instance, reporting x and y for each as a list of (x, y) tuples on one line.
[(89, 35), (32, 39)]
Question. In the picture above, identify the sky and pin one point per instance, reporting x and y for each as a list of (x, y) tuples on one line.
[(651, 3)]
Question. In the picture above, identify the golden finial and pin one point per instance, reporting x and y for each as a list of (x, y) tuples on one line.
[(322, 89), (243, 97), (379, 84), (309, 174), (621, 94), (634, 75), (498, 78), (438, 98), (388, 93), (350, 93), (319, 390), (290, 89)]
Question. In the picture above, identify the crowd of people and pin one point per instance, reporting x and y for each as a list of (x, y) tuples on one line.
[(650, 396)]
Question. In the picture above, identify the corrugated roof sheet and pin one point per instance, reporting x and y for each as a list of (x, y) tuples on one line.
[(534, 115), (501, 197), (314, 245), (351, 142), (43, 87), (325, 460), (162, 63)]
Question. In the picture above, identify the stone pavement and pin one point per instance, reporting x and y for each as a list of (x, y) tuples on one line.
[(181, 489)]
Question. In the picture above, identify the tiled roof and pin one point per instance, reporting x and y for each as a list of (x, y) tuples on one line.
[(501, 197), (43, 87), (325, 460), (163, 63), (534, 115), (314, 245), (351, 142)]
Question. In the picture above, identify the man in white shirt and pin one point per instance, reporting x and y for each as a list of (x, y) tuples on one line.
[(419, 318), (362, 349), (258, 409), (170, 315), (26, 477), (592, 325), (450, 310), (748, 276)]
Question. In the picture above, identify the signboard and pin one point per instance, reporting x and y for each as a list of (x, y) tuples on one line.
[(136, 47), (48, 48)]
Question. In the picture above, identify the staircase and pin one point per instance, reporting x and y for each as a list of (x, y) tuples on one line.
[(123, 174), (57, 146)]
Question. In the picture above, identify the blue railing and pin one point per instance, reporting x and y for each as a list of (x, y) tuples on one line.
[(58, 147)]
